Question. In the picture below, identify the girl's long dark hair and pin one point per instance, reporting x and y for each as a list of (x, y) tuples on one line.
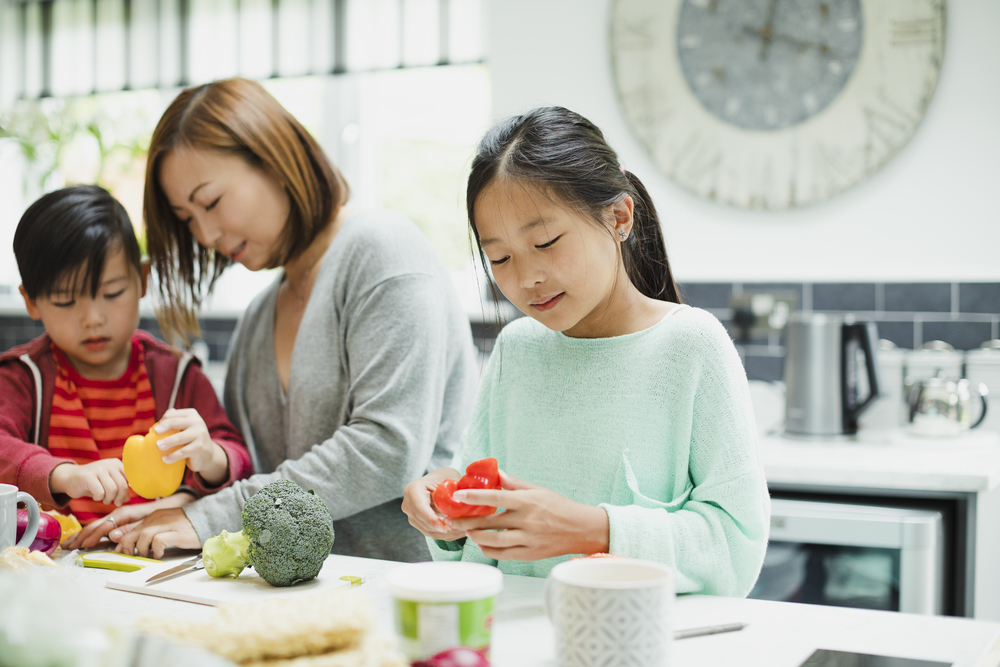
[(566, 154)]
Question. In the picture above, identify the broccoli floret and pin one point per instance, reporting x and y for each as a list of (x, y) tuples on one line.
[(225, 555), (288, 534)]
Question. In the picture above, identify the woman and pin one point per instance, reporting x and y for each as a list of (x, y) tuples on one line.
[(352, 373)]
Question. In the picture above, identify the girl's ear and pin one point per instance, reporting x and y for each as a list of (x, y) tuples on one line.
[(30, 304), (623, 210), (144, 268)]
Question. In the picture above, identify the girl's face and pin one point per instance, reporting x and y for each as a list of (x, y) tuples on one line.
[(231, 206), (552, 262)]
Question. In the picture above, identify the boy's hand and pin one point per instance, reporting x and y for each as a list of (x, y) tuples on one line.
[(103, 480), (205, 456)]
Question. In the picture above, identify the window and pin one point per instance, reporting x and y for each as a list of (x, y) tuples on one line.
[(402, 129)]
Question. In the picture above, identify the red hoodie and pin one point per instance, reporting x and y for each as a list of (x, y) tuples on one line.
[(27, 383)]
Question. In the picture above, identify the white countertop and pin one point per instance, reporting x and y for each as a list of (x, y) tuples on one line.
[(779, 634), (886, 460)]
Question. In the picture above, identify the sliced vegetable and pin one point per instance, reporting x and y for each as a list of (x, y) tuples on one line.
[(482, 474), (49, 532)]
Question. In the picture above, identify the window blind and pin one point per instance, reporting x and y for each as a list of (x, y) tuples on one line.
[(78, 47)]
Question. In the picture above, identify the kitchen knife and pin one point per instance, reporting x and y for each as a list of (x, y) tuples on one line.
[(190, 565)]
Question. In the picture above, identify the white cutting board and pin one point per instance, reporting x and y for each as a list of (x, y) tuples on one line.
[(200, 588)]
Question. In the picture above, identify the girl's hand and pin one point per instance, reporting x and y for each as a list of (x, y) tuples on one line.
[(204, 455), (103, 480), (419, 509), (160, 531), (537, 523), (121, 521)]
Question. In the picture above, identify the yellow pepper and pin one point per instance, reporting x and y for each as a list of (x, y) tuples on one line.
[(145, 470), (70, 524)]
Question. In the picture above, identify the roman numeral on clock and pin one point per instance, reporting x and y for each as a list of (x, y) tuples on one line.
[(915, 32)]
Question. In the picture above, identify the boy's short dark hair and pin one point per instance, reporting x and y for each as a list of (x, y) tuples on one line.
[(67, 234)]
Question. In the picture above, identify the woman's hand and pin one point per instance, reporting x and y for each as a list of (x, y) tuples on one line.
[(537, 523), (121, 521), (204, 455), (419, 509), (103, 480), (160, 531)]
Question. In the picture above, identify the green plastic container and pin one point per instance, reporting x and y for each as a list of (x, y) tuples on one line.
[(443, 605)]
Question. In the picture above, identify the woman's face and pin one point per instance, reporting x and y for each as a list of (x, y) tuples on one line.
[(230, 206)]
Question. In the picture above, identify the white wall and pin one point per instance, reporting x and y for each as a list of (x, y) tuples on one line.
[(931, 214)]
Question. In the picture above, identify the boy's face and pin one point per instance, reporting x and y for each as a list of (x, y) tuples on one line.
[(94, 332)]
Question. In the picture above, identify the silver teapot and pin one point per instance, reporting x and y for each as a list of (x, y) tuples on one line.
[(940, 407)]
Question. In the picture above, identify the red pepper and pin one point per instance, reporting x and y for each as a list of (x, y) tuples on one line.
[(482, 474)]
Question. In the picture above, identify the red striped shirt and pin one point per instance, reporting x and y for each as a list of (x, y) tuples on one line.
[(91, 419)]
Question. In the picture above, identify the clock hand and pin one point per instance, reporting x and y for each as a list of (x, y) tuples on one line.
[(801, 43), (767, 31), (822, 47)]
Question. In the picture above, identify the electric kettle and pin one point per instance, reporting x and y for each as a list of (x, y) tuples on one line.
[(830, 374)]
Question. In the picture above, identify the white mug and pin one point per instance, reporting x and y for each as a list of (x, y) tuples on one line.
[(9, 498), (613, 612)]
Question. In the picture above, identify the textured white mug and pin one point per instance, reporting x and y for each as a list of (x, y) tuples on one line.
[(612, 612), (9, 498)]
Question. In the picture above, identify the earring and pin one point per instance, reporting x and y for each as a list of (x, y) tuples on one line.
[(622, 235)]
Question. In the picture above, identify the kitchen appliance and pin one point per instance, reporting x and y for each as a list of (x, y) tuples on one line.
[(935, 358), (940, 407), (847, 555), (890, 410), (830, 374), (983, 366)]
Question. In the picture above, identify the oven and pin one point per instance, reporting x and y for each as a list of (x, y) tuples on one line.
[(855, 555)]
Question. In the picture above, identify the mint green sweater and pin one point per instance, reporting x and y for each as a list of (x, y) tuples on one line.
[(656, 427)]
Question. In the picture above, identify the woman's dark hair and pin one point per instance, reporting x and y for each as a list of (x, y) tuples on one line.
[(64, 239), (565, 154), (235, 117)]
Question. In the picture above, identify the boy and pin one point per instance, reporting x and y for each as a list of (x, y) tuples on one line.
[(71, 397)]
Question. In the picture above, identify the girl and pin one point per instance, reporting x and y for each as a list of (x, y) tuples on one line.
[(353, 371), (628, 412)]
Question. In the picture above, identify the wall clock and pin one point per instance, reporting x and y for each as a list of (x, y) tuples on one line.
[(774, 103)]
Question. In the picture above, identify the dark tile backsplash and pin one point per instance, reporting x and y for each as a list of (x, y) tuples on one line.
[(978, 297), (844, 296), (707, 295), (758, 367), (909, 314), (900, 333), (216, 332), (797, 290), (918, 297), (960, 335), (15, 330)]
